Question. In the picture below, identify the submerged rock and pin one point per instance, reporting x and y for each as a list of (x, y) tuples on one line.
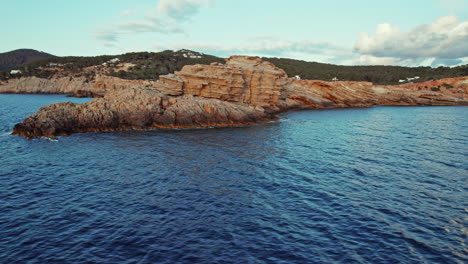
[(243, 91)]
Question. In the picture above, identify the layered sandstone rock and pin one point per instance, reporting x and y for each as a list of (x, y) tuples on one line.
[(245, 80), (242, 91), (35, 85), (75, 86), (320, 94)]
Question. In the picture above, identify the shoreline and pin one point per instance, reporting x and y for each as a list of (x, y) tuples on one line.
[(242, 92)]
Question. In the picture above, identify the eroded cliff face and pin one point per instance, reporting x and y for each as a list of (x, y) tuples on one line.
[(75, 86), (34, 85), (243, 91), (244, 80), (319, 94)]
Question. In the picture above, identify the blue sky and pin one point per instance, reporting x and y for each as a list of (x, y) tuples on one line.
[(430, 32)]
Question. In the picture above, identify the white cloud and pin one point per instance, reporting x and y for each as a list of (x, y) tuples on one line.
[(105, 36), (182, 9), (443, 42), (167, 18), (446, 38), (372, 60), (153, 25), (272, 47), (149, 25), (452, 5), (126, 13)]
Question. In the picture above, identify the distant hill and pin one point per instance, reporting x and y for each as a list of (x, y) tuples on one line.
[(15, 58), (378, 74), (150, 65)]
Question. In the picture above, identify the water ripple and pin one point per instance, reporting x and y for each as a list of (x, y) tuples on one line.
[(373, 185)]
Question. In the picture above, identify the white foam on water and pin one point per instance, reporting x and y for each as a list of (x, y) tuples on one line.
[(50, 139)]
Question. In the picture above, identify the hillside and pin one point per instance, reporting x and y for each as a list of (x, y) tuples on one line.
[(131, 66), (377, 74), (15, 58), (150, 65)]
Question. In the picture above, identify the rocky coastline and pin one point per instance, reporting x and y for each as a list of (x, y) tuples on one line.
[(243, 91)]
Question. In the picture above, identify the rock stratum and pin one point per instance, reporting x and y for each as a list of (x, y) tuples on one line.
[(73, 86), (243, 91)]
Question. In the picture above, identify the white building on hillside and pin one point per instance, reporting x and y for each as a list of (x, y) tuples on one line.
[(412, 79), (15, 72), (115, 60)]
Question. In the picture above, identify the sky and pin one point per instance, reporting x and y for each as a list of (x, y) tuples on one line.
[(358, 32)]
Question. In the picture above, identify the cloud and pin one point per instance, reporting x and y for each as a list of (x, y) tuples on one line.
[(126, 13), (448, 62), (106, 36), (182, 9), (153, 25), (452, 5), (275, 47), (372, 60), (150, 25), (167, 18), (269, 46), (446, 38)]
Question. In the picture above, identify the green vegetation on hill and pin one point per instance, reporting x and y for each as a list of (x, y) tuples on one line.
[(375, 74), (15, 58), (150, 65), (41, 68)]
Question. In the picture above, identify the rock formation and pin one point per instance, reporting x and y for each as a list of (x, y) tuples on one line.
[(74, 86), (35, 85), (243, 91)]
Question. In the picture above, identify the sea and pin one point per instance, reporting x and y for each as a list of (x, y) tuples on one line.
[(358, 185)]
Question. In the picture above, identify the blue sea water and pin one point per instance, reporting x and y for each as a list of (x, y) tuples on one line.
[(369, 185)]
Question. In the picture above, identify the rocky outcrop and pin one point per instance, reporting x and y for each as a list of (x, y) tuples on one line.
[(141, 108), (319, 94), (73, 86), (244, 80), (34, 85), (243, 91), (85, 94)]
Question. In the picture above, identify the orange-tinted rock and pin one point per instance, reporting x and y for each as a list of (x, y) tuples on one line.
[(74, 86), (245, 80), (34, 85)]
